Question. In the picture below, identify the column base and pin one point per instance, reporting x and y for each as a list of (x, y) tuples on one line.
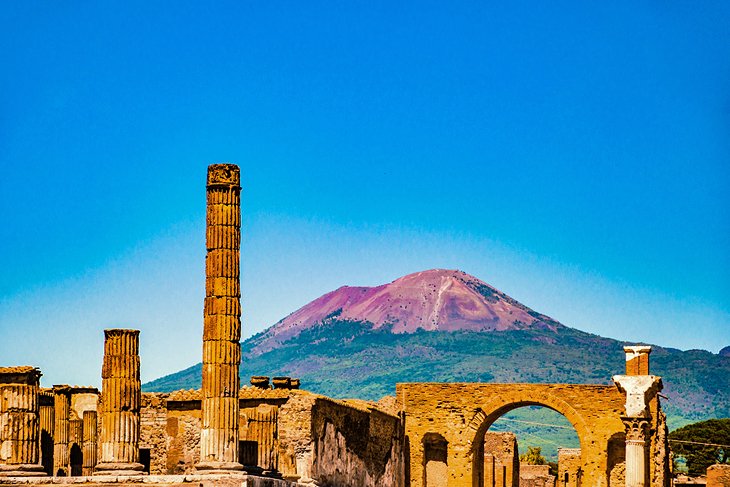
[(22, 470), (120, 469), (204, 468)]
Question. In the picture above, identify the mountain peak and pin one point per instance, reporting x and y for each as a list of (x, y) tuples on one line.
[(435, 299)]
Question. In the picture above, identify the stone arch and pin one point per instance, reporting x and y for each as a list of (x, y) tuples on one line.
[(462, 412)]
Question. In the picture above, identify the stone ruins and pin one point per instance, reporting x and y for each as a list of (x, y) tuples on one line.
[(273, 433)]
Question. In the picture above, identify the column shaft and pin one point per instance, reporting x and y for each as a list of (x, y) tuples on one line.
[(120, 404), (62, 408), (221, 322), (636, 433), (89, 448), (47, 426)]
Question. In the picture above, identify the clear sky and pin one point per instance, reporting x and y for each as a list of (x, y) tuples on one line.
[(575, 155)]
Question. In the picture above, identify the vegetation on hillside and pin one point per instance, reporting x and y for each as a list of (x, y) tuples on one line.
[(349, 359)]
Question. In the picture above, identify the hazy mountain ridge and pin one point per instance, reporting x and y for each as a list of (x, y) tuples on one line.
[(340, 356)]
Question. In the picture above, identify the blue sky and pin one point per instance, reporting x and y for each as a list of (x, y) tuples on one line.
[(572, 154)]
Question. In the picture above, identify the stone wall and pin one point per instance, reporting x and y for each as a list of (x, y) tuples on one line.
[(536, 476), (356, 446), (501, 460), (569, 466), (718, 476)]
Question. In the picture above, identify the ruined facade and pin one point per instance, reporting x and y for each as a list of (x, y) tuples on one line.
[(273, 434)]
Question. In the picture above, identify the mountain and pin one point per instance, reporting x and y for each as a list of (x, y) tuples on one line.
[(434, 300), (441, 325)]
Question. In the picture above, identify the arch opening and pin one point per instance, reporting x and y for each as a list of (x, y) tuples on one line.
[(526, 443)]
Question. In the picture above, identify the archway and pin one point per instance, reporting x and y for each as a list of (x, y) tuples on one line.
[(495, 451)]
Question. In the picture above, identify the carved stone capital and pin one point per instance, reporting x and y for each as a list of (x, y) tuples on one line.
[(639, 390), (225, 175), (637, 429)]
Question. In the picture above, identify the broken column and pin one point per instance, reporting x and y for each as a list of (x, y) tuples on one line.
[(46, 404), (222, 322), (62, 409), (120, 404), (640, 388), (89, 448), (19, 422)]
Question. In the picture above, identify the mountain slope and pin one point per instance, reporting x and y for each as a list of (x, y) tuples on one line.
[(343, 353)]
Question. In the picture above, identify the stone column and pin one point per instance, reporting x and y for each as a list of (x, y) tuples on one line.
[(222, 322), (47, 407), (19, 422), (120, 404), (636, 435), (640, 389), (62, 409), (76, 442), (89, 442)]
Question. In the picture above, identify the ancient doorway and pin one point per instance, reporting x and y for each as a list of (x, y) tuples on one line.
[(435, 458), (76, 460)]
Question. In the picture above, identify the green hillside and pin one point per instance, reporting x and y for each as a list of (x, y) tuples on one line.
[(349, 359)]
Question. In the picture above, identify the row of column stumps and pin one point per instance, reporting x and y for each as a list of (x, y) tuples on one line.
[(221, 322), (19, 422), (119, 408), (640, 388)]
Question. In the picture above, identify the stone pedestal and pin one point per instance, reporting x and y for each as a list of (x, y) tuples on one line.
[(221, 323), (19, 422), (637, 359), (90, 445), (120, 404)]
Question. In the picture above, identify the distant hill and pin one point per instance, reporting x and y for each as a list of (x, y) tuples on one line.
[(441, 325)]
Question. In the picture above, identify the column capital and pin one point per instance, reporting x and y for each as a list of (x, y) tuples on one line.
[(639, 390), (637, 429), (224, 175)]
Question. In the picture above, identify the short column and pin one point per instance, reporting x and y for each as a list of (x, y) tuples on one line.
[(62, 408), (19, 422), (120, 404), (89, 449)]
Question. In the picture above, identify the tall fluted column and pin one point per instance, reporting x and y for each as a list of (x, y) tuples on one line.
[(221, 322), (19, 422), (636, 434), (62, 408), (120, 404), (47, 413), (89, 442)]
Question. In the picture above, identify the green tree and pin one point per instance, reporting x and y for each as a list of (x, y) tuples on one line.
[(702, 444), (533, 456)]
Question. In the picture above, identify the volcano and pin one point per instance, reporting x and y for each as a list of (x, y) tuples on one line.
[(432, 300)]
